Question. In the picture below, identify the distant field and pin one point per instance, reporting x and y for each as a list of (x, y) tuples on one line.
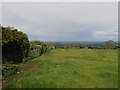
[(72, 68)]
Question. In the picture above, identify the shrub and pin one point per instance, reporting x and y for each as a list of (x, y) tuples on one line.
[(15, 45), (37, 42), (9, 69)]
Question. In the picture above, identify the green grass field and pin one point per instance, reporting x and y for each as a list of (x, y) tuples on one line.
[(72, 68)]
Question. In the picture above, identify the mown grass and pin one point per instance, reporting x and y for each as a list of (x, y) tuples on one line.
[(72, 68)]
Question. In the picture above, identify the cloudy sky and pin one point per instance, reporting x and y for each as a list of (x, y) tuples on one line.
[(70, 21)]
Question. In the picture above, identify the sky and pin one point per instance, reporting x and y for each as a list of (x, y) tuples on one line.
[(63, 21)]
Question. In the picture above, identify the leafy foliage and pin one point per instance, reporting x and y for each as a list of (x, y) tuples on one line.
[(38, 42), (15, 44), (110, 44), (9, 69)]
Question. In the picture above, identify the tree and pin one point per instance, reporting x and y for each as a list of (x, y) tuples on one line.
[(110, 44)]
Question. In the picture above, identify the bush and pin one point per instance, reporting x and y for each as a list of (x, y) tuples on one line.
[(26, 59), (9, 69), (37, 42), (15, 45)]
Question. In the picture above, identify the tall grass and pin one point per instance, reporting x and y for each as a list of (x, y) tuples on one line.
[(72, 68)]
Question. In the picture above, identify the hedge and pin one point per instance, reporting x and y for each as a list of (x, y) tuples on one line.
[(15, 45)]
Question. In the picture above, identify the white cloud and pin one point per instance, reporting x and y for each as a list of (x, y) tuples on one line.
[(62, 19), (108, 33), (45, 13)]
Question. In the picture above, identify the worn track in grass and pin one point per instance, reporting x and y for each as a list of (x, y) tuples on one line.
[(30, 65)]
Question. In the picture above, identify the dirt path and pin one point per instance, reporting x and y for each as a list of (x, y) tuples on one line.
[(29, 66), (33, 66)]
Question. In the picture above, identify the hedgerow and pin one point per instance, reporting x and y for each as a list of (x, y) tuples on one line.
[(15, 45)]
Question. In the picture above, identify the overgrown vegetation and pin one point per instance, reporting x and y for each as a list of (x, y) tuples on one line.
[(16, 49), (36, 43), (72, 68), (15, 45), (8, 70)]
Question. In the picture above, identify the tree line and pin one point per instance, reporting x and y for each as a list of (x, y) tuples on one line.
[(110, 44)]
